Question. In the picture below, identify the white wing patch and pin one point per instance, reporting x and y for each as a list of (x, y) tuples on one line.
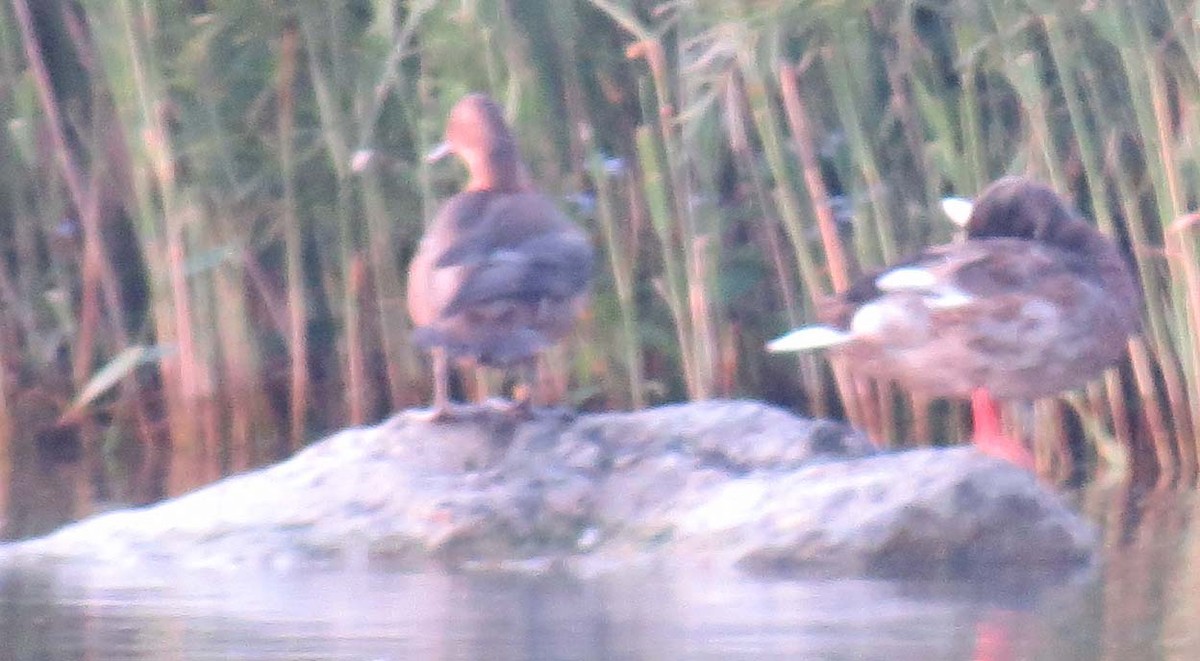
[(808, 338), (935, 293), (907, 279), (871, 319), (957, 209), (948, 299)]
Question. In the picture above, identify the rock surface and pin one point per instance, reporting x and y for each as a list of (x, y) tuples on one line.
[(712, 484)]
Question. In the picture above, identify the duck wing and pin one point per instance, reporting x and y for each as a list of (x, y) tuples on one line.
[(974, 272), (522, 249), (986, 268)]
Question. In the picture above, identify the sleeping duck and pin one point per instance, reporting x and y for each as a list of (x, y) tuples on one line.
[(501, 274), (1033, 302)]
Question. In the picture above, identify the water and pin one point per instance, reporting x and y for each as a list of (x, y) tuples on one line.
[(1141, 602), (438, 616)]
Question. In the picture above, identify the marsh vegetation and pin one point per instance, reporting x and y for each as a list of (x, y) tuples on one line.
[(206, 207)]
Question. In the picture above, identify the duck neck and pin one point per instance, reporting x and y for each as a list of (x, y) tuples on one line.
[(1105, 262), (499, 169)]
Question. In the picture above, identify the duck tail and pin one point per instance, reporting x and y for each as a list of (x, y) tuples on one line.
[(808, 338)]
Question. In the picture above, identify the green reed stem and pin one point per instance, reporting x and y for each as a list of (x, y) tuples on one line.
[(672, 286), (850, 99), (623, 272)]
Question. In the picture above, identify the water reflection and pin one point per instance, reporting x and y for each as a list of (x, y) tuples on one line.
[(1149, 539), (1138, 603), (50, 475), (439, 616)]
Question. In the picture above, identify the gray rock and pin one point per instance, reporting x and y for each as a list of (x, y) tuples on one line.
[(708, 484)]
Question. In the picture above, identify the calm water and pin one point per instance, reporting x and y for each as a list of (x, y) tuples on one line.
[(1142, 602)]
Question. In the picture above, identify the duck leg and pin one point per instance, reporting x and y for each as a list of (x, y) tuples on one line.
[(531, 383), (989, 436), (482, 388), (521, 405), (443, 410), (996, 635)]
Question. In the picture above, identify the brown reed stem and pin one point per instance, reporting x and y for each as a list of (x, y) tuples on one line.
[(737, 110), (802, 139), (859, 404), (356, 355), (298, 379)]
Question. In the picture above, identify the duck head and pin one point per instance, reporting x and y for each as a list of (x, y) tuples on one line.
[(1016, 207), (477, 133), (1020, 208)]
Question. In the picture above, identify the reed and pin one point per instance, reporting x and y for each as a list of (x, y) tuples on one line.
[(293, 247), (623, 269)]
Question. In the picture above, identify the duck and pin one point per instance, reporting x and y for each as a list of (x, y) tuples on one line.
[(1032, 302), (501, 274)]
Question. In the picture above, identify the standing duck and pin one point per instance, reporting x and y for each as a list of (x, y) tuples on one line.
[(1033, 302), (501, 274)]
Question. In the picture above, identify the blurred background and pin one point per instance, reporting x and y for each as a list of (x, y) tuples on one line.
[(207, 209)]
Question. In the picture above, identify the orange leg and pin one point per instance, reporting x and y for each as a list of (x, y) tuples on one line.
[(989, 436), (997, 635)]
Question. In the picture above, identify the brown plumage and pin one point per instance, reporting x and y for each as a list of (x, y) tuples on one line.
[(1033, 302), (501, 274)]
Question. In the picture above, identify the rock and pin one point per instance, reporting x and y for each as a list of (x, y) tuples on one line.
[(708, 484)]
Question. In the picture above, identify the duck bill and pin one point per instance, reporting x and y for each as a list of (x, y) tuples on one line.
[(438, 153)]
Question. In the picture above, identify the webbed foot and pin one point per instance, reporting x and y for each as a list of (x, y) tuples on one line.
[(438, 414), (520, 409), (524, 409)]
